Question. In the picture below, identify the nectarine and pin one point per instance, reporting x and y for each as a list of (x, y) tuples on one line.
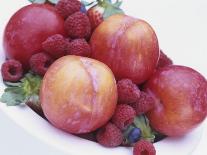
[(128, 46), (180, 95), (78, 94), (28, 28)]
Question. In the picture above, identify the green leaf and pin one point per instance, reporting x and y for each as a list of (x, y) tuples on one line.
[(85, 3), (38, 1), (111, 10), (31, 84), (12, 99), (20, 92), (143, 123), (117, 3), (12, 84)]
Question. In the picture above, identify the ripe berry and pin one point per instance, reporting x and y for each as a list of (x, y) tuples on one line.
[(109, 135), (40, 62), (134, 135), (79, 47), (78, 25), (144, 147), (11, 70), (56, 46), (123, 116), (67, 7), (144, 104), (128, 92)]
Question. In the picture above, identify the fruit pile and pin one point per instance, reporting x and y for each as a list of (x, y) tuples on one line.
[(93, 71)]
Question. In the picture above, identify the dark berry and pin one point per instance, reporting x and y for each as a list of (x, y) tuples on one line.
[(134, 135), (40, 62), (12, 70), (83, 9)]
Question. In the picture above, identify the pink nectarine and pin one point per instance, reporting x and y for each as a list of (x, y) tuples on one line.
[(180, 95), (78, 94), (128, 46), (28, 28)]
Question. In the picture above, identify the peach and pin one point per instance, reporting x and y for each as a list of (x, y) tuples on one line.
[(180, 95), (78, 94), (129, 46)]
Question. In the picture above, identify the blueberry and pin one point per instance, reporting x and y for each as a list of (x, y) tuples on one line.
[(134, 135), (83, 9)]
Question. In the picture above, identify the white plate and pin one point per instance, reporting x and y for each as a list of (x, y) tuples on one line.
[(181, 29)]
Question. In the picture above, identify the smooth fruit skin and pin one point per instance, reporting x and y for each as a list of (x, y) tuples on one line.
[(78, 94), (181, 100), (28, 28), (128, 46)]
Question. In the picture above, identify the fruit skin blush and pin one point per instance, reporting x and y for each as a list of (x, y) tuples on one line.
[(180, 95), (28, 28)]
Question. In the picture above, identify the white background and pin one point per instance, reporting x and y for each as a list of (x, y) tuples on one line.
[(181, 27)]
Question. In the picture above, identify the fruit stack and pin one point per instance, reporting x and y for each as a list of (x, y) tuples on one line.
[(99, 74)]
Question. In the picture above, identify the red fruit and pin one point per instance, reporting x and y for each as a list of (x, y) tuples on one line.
[(11, 70), (40, 62), (78, 25), (28, 28), (78, 94), (144, 147), (56, 46), (123, 116), (144, 104), (164, 60), (79, 47), (109, 136), (67, 7), (95, 15), (128, 46), (180, 95), (128, 92)]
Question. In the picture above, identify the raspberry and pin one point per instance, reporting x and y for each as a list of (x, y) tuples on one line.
[(40, 62), (144, 147), (144, 104), (128, 92), (55, 45), (78, 25), (11, 70), (164, 60), (123, 116), (67, 7), (79, 47), (109, 135)]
